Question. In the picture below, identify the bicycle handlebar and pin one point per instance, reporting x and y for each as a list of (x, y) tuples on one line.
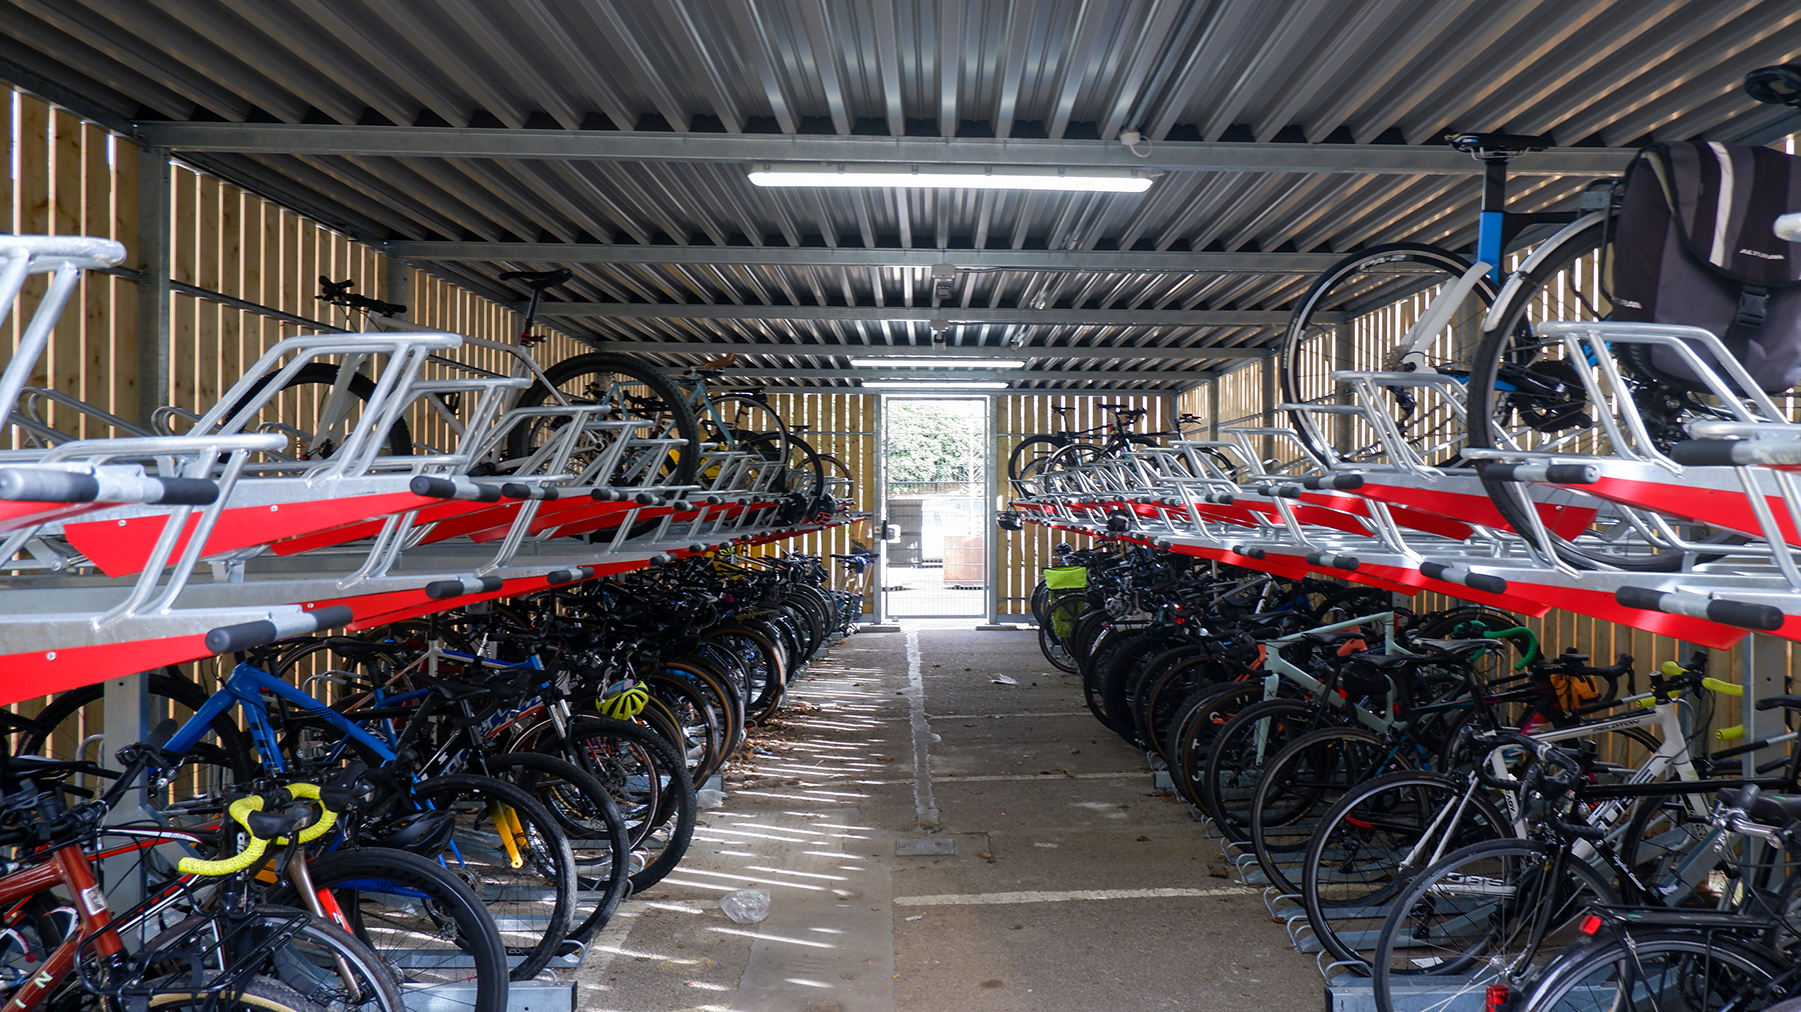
[(337, 293), (242, 811)]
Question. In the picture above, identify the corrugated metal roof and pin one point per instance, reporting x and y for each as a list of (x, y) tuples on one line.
[(1307, 75)]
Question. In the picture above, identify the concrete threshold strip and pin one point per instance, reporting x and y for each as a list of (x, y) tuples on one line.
[(1064, 896)]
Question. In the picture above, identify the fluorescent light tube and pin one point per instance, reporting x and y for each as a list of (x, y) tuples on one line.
[(932, 362), (934, 385), (952, 178)]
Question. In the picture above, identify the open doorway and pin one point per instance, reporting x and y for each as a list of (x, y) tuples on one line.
[(936, 475)]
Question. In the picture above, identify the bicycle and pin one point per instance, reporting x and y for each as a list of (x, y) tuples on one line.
[(1448, 295), (242, 955), (1071, 448), (1589, 389), (620, 388), (1733, 958)]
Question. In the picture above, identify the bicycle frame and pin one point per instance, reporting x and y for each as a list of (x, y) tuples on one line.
[(245, 687)]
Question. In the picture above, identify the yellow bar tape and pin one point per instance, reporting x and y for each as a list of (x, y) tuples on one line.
[(1729, 733), (239, 811)]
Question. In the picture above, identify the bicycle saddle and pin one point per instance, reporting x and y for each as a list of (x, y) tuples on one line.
[(539, 280), (1774, 809), (356, 649), (1498, 144), (1387, 662), (14, 769), (1457, 646), (1778, 85)]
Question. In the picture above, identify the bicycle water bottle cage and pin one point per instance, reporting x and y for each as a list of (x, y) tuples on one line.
[(1778, 85), (1501, 146)]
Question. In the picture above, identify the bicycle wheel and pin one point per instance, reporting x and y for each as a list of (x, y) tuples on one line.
[(263, 994), (650, 784), (807, 471), (1394, 283), (1059, 624), (764, 664), (73, 726), (1677, 853), (1029, 458), (305, 395), (629, 389), (1671, 970), (516, 858), (1490, 913), (1195, 726), (597, 835), (1370, 844), (1241, 750), (285, 945), (425, 922), (1525, 395), (1305, 779), (1156, 705)]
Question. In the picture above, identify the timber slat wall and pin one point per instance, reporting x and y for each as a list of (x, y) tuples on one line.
[(1024, 553)]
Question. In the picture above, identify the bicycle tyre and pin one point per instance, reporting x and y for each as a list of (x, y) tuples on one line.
[(664, 401), (620, 754), (1307, 777), (1240, 751), (534, 901), (1589, 977), (305, 962), (1515, 393), (597, 834), (1374, 277), (1469, 962), (399, 436), (1370, 845), (420, 918)]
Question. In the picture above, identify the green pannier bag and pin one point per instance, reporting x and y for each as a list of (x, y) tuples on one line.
[(1066, 577)]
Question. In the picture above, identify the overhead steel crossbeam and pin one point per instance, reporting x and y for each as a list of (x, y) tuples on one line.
[(644, 146), (975, 354), (1125, 261), (922, 314)]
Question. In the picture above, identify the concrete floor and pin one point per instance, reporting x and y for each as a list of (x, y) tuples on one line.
[(900, 742)]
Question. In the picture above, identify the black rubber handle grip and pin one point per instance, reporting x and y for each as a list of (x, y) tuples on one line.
[(1486, 582), (188, 492), (1249, 552), (230, 639), (1556, 474), (1746, 616), (1336, 482), (439, 590), (233, 638), (1762, 617), (436, 488), (1704, 452)]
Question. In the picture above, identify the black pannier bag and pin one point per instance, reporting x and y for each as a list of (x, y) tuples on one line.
[(1695, 245)]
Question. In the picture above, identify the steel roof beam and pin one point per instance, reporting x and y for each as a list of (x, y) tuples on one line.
[(844, 256), (656, 146), (1124, 353), (922, 314)]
